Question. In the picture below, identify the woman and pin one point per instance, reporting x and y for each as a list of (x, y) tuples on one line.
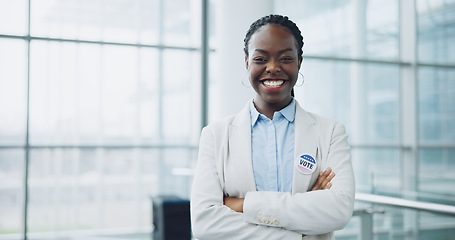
[(259, 173)]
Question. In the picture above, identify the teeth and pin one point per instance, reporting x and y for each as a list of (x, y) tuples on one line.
[(273, 83)]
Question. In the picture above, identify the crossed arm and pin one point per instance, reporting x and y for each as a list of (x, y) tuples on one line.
[(322, 183)]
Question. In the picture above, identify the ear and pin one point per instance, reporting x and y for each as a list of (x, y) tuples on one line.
[(300, 61), (246, 63)]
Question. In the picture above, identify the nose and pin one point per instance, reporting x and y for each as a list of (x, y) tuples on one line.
[(273, 67)]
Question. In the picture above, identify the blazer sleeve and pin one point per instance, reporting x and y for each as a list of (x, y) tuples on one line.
[(209, 217), (315, 212)]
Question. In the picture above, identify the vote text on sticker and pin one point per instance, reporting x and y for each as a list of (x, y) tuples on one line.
[(306, 164)]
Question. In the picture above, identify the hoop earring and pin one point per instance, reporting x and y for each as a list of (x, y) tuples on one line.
[(243, 81), (303, 80)]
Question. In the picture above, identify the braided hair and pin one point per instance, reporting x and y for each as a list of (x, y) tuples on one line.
[(282, 21), (279, 20)]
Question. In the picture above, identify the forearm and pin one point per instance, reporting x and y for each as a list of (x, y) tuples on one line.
[(311, 213), (235, 204), (221, 222), (308, 213)]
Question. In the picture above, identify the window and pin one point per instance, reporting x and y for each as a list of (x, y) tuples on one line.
[(92, 103), (396, 102)]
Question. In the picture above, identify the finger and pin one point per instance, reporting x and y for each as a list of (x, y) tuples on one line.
[(328, 186), (328, 171), (327, 177), (319, 181)]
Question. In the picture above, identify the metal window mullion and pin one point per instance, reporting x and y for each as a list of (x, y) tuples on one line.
[(408, 90), (158, 46), (409, 110), (27, 131), (204, 63), (161, 166)]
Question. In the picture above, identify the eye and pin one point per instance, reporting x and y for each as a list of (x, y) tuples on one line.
[(259, 60), (286, 59)]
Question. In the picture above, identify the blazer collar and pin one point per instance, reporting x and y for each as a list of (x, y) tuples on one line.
[(240, 149)]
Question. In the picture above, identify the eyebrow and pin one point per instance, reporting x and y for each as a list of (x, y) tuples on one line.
[(280, 52)]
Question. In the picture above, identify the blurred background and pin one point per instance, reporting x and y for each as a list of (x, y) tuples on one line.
[(102, 103)]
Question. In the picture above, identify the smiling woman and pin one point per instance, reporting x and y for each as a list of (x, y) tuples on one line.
[(268, 172), (273, 67)]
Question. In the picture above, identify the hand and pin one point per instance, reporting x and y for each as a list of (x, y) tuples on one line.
[(323, 181), (235, 204)]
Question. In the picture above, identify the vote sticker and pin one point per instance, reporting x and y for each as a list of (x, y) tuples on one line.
[(306, 164)]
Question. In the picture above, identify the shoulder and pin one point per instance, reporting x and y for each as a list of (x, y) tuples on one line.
[(313, 118), (238, 119), (221, 123), (321, 122)]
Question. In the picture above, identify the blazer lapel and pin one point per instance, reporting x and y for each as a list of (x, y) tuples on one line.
[(240, 150), (306, 142)]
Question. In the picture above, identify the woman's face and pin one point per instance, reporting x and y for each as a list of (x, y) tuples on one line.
[(273, 65)]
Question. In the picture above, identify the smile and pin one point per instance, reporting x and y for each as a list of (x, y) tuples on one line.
[(273, 83)]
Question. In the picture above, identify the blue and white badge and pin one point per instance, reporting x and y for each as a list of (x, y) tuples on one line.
[(306, 164)]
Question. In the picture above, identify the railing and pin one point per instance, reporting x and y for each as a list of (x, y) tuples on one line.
[(404, 203), (366, 214)]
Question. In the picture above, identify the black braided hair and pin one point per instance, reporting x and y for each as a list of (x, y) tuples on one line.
[(282, 21), (274, 19)]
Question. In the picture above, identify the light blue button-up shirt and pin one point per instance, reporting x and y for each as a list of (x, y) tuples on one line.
[(272, 146)]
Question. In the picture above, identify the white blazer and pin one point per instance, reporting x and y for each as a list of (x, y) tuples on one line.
[(224, 168)]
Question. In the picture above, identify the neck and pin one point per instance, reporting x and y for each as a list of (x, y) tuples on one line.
[(268, 109)]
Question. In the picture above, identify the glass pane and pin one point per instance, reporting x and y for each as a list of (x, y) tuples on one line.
[(436, 178), (103, 20), (12, 169), (56, 87), (102, 190), (148, 94), (13, 91), (92, 94), (377, 170), (436, 226), (346, 28), (119, 98), (392, 223), (181, 23), (436, 31), (54, 193), (365, 97), (176, 173), (382, 30), (181, 101), (436, 98), (326, 89), (13, 17)]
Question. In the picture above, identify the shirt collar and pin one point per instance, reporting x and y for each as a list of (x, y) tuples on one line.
[(288, 112), (254, 114)]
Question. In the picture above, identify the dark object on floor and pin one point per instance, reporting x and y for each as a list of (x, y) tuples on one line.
[(171, 218)]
